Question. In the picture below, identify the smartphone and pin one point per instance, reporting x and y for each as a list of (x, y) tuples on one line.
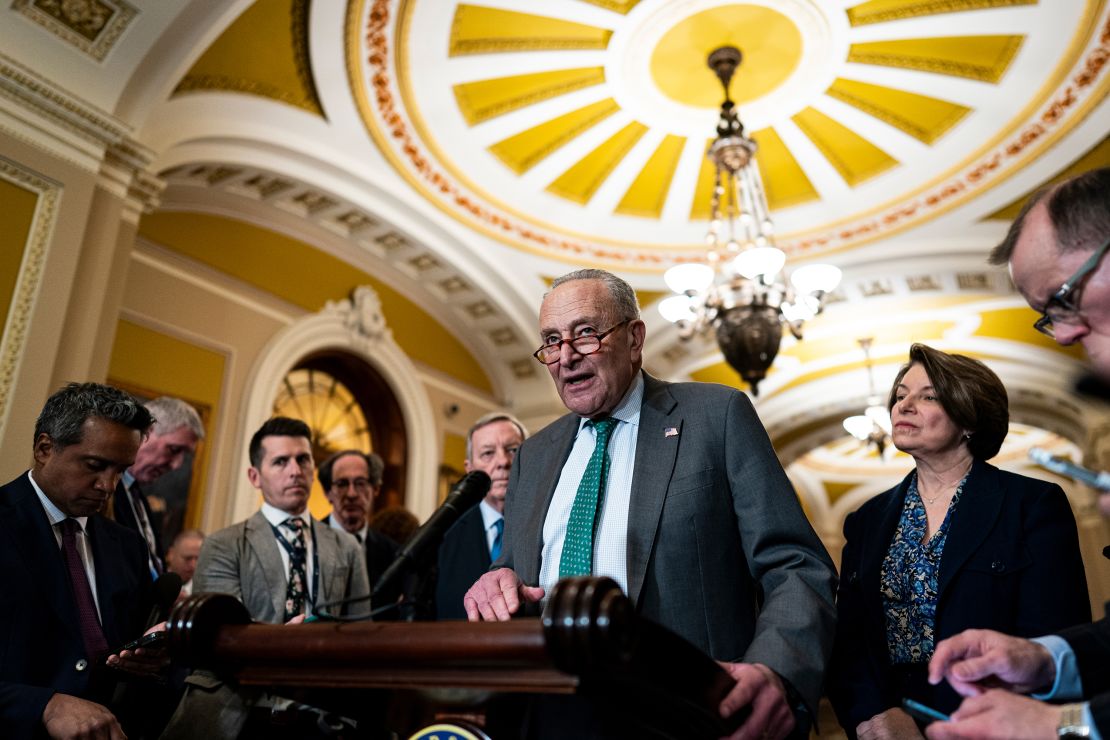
[(150, 640), (922, 713)]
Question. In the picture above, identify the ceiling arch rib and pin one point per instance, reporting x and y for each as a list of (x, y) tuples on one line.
[(368, 242)]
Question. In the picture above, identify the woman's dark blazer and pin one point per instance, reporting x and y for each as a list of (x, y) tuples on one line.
[(1011, 563)]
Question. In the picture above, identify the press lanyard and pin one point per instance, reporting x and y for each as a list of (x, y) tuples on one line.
[(294, 559)]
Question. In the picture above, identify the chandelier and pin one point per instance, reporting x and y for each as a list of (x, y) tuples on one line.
[(873, 425), (739, 289)]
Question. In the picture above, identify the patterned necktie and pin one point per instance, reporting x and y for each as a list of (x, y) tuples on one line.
[(578, 545), (292, 530), (139, 506), (88, 622), (495, 551)]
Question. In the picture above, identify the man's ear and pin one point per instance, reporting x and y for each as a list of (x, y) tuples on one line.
[(637, 331), (466, 466), (253, 476), (44, 448)]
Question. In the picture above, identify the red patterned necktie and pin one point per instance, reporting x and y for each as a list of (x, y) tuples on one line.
[(91, 633)]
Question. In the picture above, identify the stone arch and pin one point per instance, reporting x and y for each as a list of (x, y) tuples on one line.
[(357, 326)]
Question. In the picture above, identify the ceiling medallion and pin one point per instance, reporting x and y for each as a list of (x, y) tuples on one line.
[(566, 198)]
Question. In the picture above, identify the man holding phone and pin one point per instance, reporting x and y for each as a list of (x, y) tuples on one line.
[(78, 583), (1057, 253)]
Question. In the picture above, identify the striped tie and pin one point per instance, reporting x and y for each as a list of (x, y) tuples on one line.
[(578, 546)]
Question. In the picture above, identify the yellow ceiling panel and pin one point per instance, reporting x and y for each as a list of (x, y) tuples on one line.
[(983, 58), (263, 52), (882, 11), (854, 157), (1098, 156), (784, 180), (1016, 324), (648, 192), (703, 190), (480, 30), (922, 117), (304, 276), (583, 178), (617, 6), (522, 151), (485, 99)]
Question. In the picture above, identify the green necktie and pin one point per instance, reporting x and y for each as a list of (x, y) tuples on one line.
[(578, 545)]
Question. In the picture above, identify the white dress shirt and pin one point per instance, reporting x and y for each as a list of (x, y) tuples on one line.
[(84, 548), (610, 539), (276, 516)]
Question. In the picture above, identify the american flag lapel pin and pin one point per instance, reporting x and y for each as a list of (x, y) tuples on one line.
[(670, 432)]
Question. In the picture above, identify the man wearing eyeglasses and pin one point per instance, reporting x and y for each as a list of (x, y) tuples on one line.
[(673, 490), (351, 480), (1056, 250)]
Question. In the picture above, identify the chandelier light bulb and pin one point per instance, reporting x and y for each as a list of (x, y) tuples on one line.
[(692, 277), (859, 426), (677, 308), (757, 261), (880, 416), (811, 279)]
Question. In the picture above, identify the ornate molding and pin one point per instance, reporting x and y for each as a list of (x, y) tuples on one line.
[(91, 26), (354, 326), (437, 281), (93, 139), (58, 106), (362, 315), (14, 337)]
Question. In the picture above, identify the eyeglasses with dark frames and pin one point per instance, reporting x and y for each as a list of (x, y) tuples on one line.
[(361, 485), (583, 345), (1063, 306)]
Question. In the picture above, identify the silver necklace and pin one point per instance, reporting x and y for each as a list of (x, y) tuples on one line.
[(933, 500)]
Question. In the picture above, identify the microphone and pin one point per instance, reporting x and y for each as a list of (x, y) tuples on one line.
[(465, 494), (1093, 478)]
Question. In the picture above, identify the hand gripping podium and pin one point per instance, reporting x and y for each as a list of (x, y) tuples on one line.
[(589, 642)]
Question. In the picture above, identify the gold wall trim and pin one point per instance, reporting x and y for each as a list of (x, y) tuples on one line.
[(14, 338)]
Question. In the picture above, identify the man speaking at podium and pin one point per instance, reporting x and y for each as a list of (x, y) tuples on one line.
[(673, 490)]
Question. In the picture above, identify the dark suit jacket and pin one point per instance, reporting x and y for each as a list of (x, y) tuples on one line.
[(41, 651), (121, 510), (719, 550), (381, 550), (463, 558), (1091, 643), (1011, 563)]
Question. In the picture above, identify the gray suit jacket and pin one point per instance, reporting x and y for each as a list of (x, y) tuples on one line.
[(719, 549), (244, 560)]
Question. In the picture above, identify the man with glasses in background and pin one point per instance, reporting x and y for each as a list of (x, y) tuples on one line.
[(1056, 250), (351, 480), (674, 491)]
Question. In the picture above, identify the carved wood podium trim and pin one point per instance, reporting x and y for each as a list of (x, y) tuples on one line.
[(589, 641)]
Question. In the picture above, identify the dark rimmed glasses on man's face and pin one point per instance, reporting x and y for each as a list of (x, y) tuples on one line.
[(362, 485), (586, 344), (1063, 306)]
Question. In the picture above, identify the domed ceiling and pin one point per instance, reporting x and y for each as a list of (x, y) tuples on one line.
[(576, 129)]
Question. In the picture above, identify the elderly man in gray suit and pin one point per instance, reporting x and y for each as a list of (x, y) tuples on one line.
[(674, 491), (283, 566)]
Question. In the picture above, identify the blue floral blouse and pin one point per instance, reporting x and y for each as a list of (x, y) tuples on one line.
[(908, 580)]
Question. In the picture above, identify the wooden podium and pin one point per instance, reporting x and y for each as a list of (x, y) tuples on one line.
[(588, 642)]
